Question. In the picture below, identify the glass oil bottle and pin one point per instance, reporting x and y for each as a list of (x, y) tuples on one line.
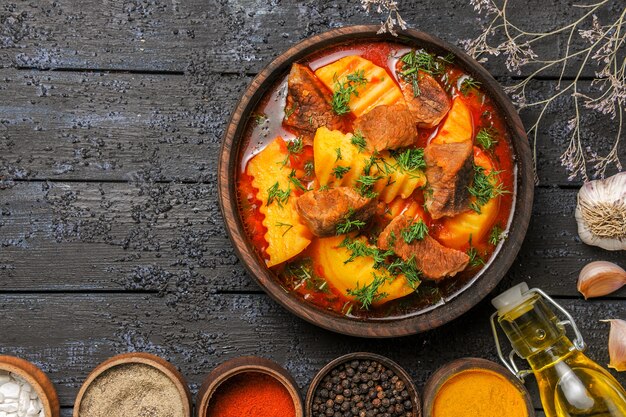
[(570, 384)]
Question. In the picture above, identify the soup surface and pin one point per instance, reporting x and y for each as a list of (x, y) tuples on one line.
[(376, 180)]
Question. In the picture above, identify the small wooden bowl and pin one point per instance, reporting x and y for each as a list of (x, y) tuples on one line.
[(37, 379), (241, 365), (143, 358), (455, 305), (388, 363), (443, 374)]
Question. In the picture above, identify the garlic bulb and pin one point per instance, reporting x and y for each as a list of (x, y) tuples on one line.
[(600, 278), (617, 344), (601, 212)]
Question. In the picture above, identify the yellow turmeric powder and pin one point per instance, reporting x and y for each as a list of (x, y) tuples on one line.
[(479, 393)]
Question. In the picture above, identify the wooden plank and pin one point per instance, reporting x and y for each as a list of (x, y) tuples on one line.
[(119, 127), (198, 331), (235, 36), (162, 237)]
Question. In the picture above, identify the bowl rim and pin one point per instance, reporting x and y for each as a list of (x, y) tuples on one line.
[(395, 367), (137, 358), (37, 379), (243, 364), (465, 298)]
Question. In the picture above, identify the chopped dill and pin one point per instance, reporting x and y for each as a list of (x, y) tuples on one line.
[(309, 168), (359, 249), (259, 119), (365, 183), (287, 225), (358, 140), (289, 112), (474, 257), (414, 62), (415, 231), (349, 224), (496, 235), (343, 91), (274, 193), (368, 294), (295, 146), (324, 188), (485, 138), (485, 187), (339, 171), (338, 152), (410, 160), (412, 273), (468, 84), (301, 272), (295, 181)]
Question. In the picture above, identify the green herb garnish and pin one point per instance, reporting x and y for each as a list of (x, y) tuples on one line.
[(287, 225), (302, 273), (349, 224), (365, 183), (368, 294), (260, 119), (415, 231), (295, 181), (485, 138), (338, 153), (485, 187), (414, 62), (343, 91), (295, 146), (496, 235), (474, 257), (289, 112), (358, 140), (339, 171), (309, 168), (359, 249), (468, 84), (410, 160), (412, 273), (274, 193)]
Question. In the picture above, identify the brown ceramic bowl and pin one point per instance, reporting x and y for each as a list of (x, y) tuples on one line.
[(37, 379), (443, 374), (144, 358), (242, 365), (388, 363), (454, 305)]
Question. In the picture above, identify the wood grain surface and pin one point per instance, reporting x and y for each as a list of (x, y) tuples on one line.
[(111, 240)]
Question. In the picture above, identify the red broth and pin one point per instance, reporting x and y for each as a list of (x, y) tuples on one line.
[(266, 125)]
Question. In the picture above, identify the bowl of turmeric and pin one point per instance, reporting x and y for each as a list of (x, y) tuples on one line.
[(474, 387)]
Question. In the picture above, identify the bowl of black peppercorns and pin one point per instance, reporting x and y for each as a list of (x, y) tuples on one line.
[(362, 384)]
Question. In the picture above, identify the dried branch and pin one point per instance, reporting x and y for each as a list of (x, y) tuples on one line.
[(393, 14), (603, 51)]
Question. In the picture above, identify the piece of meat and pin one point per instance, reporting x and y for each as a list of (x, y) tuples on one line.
[(308, 104), (323, 210), (387, 127), (449, 169), (430, 105), (449, 163), (431, 257)]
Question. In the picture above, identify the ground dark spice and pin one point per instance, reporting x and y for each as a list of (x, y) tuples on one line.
[(251, 394)]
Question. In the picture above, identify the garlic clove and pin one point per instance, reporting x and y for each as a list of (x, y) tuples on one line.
[(601, 212), (600, 278), (617, 344)]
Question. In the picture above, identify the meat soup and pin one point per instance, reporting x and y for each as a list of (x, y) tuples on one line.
[(376, 179)]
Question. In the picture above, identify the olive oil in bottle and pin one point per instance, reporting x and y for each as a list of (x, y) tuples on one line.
[(570, 384)]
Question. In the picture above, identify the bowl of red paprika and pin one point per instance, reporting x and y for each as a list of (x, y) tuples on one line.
[(249, 386)]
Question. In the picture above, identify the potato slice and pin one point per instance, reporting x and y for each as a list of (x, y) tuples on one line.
[(379, 89), (286, 235), (331, 257)]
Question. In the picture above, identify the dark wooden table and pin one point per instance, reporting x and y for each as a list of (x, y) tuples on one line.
[(111, 237)]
